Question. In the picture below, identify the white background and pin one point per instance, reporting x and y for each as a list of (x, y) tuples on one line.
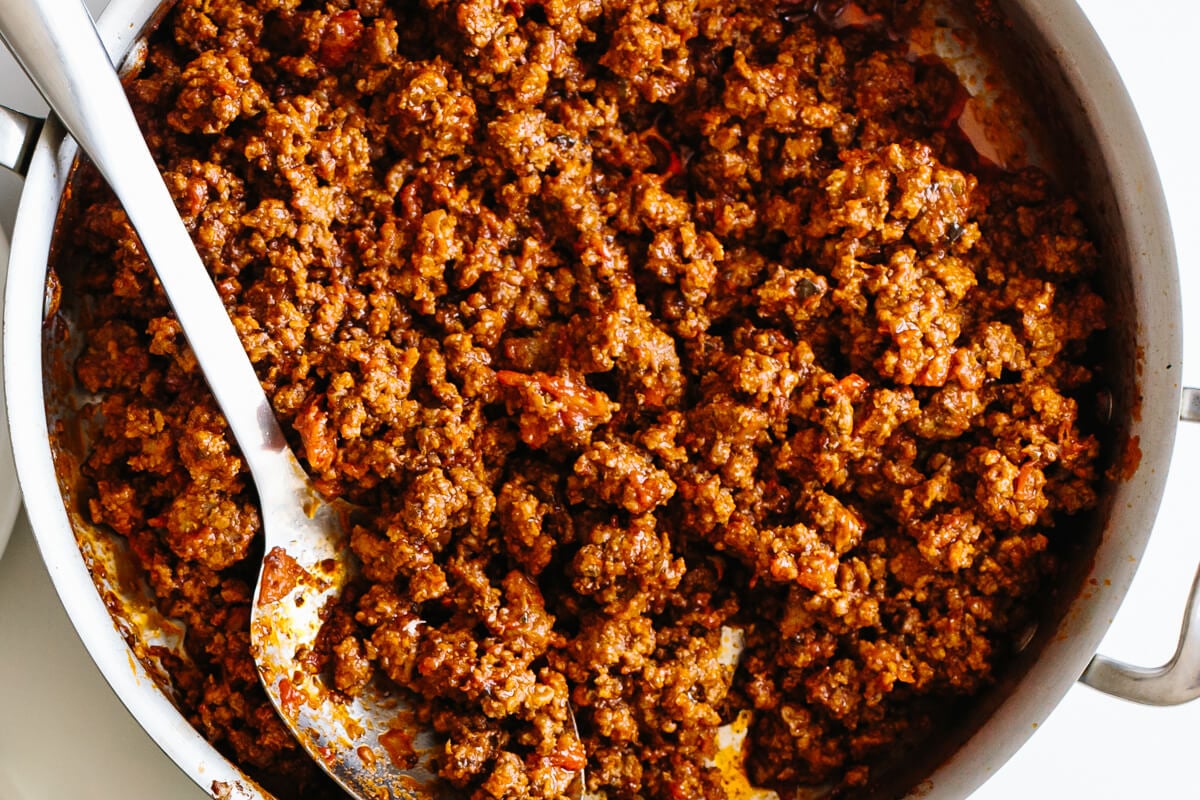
[(64, 736)]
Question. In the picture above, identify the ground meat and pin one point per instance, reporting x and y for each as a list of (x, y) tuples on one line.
[(622, 324)]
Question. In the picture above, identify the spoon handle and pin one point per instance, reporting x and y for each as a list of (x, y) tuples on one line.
[(58, 47)]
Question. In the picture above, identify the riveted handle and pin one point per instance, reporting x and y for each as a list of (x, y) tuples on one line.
[(1177, 681)]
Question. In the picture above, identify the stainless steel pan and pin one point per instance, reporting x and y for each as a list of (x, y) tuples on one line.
[(1114, 172)]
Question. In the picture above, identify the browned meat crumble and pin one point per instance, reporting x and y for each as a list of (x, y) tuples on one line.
[(624, 322)]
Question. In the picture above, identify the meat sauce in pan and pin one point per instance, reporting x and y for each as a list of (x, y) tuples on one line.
[(622, 324)]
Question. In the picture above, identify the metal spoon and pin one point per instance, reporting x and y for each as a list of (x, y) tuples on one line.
[(307, 559)]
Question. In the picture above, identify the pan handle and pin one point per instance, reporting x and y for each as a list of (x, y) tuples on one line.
[(1177, 681), (18, 135)]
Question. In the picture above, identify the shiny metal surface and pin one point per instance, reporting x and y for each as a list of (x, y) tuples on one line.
[(147, 699), (58, 47), (1128, 202), (1119, 182), (307, 559), (18, 134), (1190, 407), (1178, 680), (10, 494), (60, 50)]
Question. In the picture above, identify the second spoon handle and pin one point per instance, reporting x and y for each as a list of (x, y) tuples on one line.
[(57, 45)]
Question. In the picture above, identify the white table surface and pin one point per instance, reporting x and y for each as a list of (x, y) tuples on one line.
[(64, 736)]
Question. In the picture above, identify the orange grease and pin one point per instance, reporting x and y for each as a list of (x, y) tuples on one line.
[(399, 747)]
